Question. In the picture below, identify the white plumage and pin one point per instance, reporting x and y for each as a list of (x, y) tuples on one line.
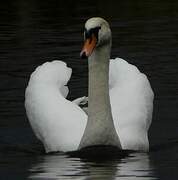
[(60, 123), (132, 104)]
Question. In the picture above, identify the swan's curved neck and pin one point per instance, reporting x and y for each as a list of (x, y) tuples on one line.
[(100, 128)]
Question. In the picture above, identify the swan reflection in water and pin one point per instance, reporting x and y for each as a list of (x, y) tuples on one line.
[(136, 166)]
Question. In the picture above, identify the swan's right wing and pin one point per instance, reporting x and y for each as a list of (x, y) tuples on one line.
[(57, 122)]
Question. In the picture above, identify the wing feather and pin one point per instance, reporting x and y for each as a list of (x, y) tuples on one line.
[(56, 121), (132, 104)]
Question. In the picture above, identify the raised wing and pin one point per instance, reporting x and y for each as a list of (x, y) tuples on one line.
[(132, 104), (57, 122)]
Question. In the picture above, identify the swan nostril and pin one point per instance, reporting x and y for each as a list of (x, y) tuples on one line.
[(83, 55)]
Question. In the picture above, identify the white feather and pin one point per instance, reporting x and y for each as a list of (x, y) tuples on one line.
[(132, 104), (57, 122), (60, 124)]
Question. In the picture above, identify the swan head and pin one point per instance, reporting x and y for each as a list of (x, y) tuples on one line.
[(97, 33)]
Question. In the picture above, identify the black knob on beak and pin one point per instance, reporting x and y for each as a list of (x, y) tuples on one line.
[(83, 55)]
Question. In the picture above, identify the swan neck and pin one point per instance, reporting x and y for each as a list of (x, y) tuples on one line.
[(100, 128), (99, 82)]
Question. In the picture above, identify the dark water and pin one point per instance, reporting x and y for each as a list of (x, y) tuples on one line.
[(145, 33)]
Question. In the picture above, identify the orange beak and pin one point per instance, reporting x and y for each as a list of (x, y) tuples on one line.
[(88, 46)]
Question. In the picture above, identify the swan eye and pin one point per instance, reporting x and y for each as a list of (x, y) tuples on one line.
[(95, 31)]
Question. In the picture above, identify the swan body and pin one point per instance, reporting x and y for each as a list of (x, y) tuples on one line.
[(120, 116)]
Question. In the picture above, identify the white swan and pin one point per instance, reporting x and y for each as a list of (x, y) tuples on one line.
[(120, 100)]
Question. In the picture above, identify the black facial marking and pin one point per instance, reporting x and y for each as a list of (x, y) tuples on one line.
[(88, 33)]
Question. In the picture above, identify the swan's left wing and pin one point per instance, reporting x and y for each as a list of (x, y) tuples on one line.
[(132, 104), (56, 121)]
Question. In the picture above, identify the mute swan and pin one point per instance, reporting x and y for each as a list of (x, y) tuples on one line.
[(120, 100)]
